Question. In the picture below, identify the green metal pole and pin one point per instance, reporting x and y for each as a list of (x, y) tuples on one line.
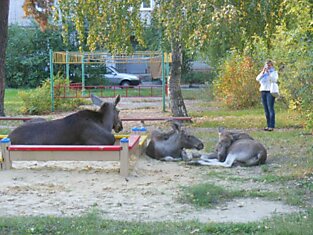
[(83, 75), (51, 80), (67, 72), (167, 66), (163, 83)]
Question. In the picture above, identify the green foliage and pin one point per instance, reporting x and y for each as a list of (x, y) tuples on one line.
[(27, 55), (152, 35), (197, 77), (38, 101), (232, 24), (293, 49), (236, 86), (205, 195), (109, 25)]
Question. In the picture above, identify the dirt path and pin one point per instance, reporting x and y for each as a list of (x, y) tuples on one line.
[(149, 194)]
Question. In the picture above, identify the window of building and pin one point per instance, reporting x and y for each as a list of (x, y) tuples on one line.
[(146, 4)]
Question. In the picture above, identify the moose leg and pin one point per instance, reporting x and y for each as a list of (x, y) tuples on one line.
[(229, 160), (206, 162), (203, 162), (96, 136), (215, 162), (170, 159), (254, 161), (185, 156), (209, 156)]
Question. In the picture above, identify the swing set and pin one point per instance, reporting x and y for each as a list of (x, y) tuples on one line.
[(153, 63)]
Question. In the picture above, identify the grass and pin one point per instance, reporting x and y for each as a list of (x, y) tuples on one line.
[(12, 101), (296, 192), (206, 195), (210, 195), (248, 118), (92, 223), (193, 94)]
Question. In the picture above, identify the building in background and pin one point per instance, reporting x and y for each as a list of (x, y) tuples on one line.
[(17, 15), (145, 10)]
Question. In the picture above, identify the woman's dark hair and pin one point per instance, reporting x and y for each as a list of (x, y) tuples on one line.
[(270, 62)]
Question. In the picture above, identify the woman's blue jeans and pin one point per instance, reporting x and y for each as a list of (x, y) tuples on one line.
[(268, 103)]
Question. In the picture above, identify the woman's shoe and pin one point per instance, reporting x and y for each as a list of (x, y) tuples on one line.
[(265, 129), (270, 129)]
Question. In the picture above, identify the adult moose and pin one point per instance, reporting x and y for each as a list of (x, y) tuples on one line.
[(234, 147), (85, 127), (169, 146)]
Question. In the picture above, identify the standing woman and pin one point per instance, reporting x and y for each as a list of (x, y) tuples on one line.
[(265, 78)]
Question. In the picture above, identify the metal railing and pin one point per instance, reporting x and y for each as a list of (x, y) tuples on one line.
[(77, 91)]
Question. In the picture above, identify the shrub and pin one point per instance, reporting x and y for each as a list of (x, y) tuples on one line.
[(236, 86), (27, 57), (291, 49), (294, 51), (205, 195), (197, 77), (38, 101)]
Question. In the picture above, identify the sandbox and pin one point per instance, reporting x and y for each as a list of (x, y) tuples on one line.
[(122, 151)]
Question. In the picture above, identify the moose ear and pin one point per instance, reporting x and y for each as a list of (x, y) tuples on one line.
[(96, 100), (117, 100), (221, 130)]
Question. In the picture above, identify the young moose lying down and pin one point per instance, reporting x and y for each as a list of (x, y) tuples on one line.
[(234, 148), (169, 146)]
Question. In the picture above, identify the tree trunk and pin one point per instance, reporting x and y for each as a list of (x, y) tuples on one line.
[(177, 104), (4, 15)]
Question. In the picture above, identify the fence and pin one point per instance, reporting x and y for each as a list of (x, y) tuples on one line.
[(75, 91)]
